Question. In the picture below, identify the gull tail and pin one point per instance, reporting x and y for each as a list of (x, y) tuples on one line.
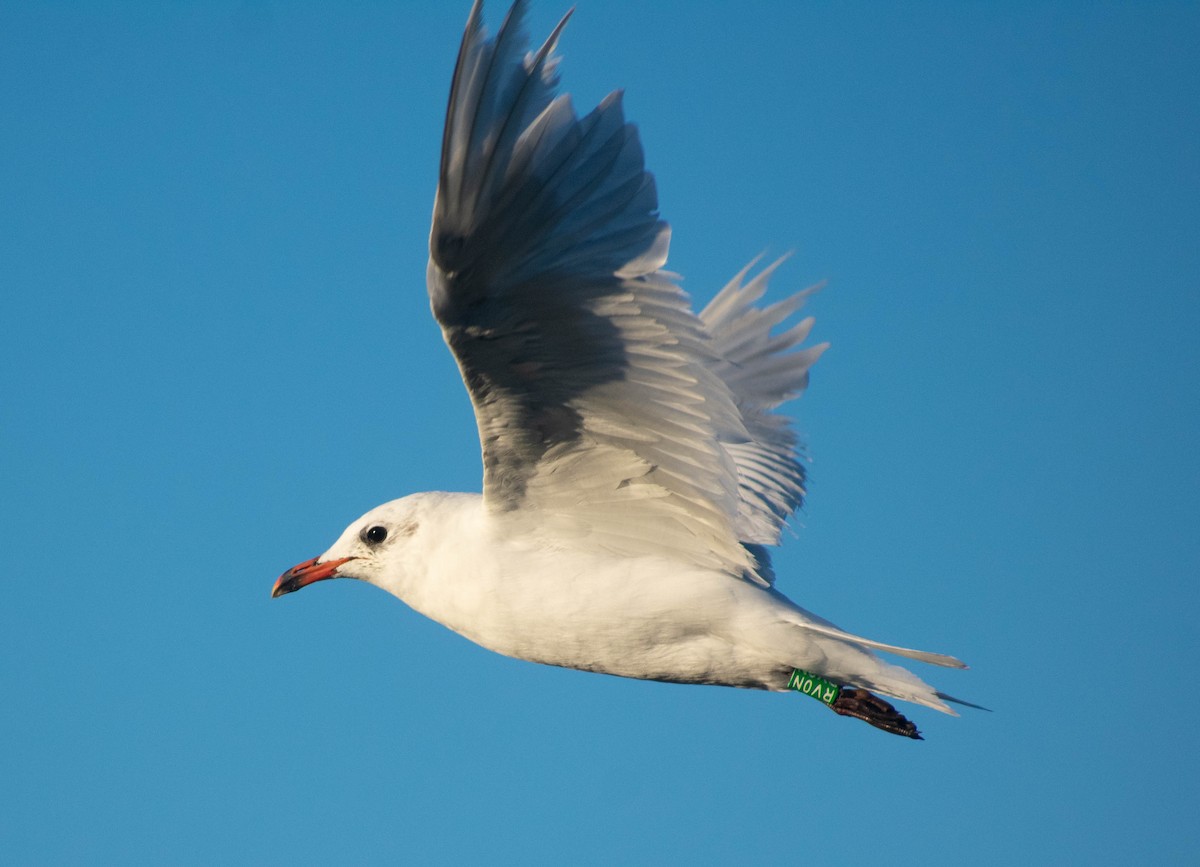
[(850, 660), (942, 659)]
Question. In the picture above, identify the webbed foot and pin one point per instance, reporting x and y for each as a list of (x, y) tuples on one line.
[(868, 707)]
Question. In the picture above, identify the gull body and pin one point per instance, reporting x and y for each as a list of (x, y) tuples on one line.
[(515, 591), (635, 469)]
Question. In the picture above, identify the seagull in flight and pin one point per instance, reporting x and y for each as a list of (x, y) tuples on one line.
[(635, 470)]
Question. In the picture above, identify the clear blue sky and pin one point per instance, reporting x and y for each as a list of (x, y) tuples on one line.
[(217, 351)]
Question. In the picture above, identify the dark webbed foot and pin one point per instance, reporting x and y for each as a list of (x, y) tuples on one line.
[(868, 707)]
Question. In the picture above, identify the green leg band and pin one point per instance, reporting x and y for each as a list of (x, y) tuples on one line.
[(824, 691)]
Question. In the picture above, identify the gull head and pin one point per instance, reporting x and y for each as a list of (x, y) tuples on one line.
[(367, 550)]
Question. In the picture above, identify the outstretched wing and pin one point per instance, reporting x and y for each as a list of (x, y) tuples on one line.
[(602, 412), (761, 372)]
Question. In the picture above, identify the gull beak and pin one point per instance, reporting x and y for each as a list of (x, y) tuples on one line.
[(306, 573)]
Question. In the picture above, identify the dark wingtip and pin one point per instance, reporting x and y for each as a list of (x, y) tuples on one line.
[(951, 698)]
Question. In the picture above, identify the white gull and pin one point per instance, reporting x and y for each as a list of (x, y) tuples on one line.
[(634, 466)]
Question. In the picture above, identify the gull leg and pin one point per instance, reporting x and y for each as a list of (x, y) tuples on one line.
[(870, 708)]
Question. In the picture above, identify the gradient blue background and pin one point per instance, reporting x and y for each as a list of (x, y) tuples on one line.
[(217, 352)]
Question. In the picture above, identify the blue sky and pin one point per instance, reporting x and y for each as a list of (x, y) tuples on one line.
[(218, 351)]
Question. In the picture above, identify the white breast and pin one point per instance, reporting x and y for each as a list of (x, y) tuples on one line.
[(574, 607)]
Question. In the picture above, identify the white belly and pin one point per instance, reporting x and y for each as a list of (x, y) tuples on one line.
[(643, 618)]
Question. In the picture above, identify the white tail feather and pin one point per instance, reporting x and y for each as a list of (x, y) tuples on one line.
[(941, 659)]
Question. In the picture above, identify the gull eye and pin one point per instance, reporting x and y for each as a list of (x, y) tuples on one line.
[(375, 535)]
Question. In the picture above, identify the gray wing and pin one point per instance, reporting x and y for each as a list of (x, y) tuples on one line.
[(602, 410)]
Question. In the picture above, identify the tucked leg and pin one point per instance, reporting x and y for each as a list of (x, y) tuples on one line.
[(866, 706)]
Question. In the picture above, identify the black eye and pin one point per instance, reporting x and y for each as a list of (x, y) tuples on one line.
[(375, 535)]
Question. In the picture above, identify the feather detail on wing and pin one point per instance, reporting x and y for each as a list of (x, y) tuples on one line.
[(606, 408), (762, 373)]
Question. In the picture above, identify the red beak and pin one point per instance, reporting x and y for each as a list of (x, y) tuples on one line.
[(306, 573)]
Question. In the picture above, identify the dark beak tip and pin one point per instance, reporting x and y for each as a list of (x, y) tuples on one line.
[(304, 574), (292, 580)]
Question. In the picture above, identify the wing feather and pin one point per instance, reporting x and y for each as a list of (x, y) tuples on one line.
[(761, 371), (608, 412)]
